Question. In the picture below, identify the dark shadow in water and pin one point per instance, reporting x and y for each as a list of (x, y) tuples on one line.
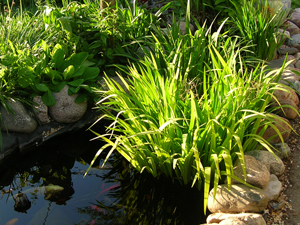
[(128, 197), (143, 199)]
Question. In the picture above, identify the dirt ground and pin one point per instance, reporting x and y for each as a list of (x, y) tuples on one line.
[(286, 210)]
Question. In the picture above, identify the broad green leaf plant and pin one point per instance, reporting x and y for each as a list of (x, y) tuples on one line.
[(53, 70), (49, 71)]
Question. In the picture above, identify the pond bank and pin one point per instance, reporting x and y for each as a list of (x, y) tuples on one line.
[(25, 142)]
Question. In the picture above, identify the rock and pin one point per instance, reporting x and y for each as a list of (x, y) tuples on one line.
[(286, 94), (232, 221), (288, 77), (10, 142), (20, 121), (294, 41), (290, 51), (22, 204), (182, 27), (295, 17), (283, 125), (278, 205), (285, 111), (258, 174), (26, 142), (277, 63), (289, 58), (282, 35), (292, 28), (296, 86), (115, 79), (273, 163), (141, 51), (283, 150), (240, 198), (65, 109), (40, 110), (273, 189), (247, 218), (297, 64)]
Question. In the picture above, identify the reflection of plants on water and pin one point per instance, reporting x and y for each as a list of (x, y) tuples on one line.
[(142, 199), (47, 176), (55, 186)]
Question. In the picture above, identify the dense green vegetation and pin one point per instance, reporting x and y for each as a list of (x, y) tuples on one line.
[(194, 101)]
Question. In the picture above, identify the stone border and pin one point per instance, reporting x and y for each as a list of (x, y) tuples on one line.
[(24, 142), (242, 204)]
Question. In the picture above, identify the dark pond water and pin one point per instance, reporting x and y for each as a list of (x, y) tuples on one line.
[(51, 177)]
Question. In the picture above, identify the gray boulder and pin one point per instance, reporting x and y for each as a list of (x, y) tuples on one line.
[(40, 110), (273, 163), (295, 17), (258, 174), (288, 77), (240, 198), (141, 51), (289, 58), (296, 86), (282, 35), (274, 188), (294, 41), (277, 63), (290, 51), (182, 26), (116, 81), (282, 150), (297, 65), (65, 109), (20, 121)]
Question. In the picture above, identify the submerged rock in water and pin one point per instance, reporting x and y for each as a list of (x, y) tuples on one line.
[(22, 204)]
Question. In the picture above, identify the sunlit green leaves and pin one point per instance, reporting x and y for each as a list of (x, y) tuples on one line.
[(193, 132), (68, 72), (57, 56)]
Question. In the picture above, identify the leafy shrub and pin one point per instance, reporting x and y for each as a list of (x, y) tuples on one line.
[(50, 71), (207, 11), (295, 4)]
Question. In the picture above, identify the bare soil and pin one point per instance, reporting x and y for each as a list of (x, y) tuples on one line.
[(286, 210)]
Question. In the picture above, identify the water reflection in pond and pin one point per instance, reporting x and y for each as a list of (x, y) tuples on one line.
[(51, 177)]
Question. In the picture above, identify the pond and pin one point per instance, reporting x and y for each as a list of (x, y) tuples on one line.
[(51, 177)]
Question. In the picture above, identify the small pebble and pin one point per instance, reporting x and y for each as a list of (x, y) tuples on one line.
[(277, 206)]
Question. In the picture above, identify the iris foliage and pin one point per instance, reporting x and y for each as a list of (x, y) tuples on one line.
[(189, 109)]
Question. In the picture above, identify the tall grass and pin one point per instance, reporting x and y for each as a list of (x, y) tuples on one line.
[(258, 26), (167, 124), (24, 29)]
